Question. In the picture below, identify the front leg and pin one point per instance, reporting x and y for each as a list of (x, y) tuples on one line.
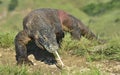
[(21, 40)]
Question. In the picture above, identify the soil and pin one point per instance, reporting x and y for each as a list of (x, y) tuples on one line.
[(72, 62)]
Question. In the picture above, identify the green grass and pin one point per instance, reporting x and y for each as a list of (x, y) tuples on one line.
[(10, 70), (100, 8), (6, 40), (25, 70), (91, 49)]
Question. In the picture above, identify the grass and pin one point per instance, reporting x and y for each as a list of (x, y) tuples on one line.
[(25, 70), (100, 8), (6, 40), (106, 26), (93, 51), (10, 70)]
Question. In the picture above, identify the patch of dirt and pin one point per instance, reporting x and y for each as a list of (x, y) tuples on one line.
[(7, 56)]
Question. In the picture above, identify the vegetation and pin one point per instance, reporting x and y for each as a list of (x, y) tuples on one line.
[(6, 40), (96, 9), (9, 70), (101, 16)]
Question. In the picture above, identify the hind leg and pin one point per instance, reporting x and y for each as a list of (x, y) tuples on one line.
[(21, 40)]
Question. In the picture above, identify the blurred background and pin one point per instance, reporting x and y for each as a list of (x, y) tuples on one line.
[(99, 15)]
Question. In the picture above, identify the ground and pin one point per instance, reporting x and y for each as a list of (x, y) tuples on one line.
[(72, 63)]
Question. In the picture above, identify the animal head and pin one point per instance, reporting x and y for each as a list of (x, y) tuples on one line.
[(47, 38)]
